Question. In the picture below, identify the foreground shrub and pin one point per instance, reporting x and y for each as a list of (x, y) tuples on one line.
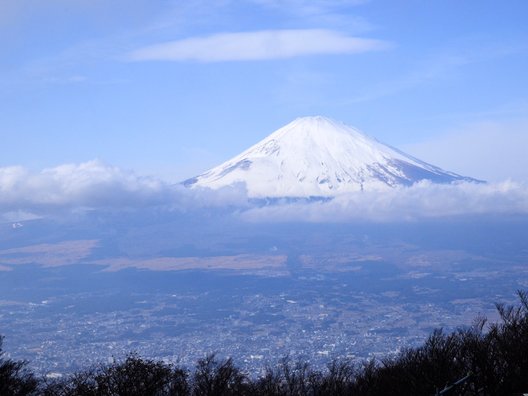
[(15, 378)]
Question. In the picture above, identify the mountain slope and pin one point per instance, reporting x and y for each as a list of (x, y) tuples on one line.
[(317, 156)]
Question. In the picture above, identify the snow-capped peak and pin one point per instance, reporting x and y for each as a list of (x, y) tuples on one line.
[(317, 156)]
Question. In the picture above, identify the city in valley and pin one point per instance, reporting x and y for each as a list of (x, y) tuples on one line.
[(256, 294)]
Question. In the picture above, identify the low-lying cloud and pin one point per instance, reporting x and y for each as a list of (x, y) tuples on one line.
[(95, 185), (423, 200), (257, 45), (91, 184)]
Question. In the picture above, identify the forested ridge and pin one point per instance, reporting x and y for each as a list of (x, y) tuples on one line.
[(484, 359)]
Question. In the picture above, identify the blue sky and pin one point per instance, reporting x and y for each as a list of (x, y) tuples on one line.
[(170, 88)]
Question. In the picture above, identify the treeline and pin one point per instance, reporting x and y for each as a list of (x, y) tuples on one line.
[(485, 359)]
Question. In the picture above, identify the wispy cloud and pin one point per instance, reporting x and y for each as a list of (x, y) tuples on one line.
[(437, 67), (491, 149), (428, 71), (320, 12), (310, 7), (257, 45)]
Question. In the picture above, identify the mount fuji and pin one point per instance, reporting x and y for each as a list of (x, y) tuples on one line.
[(320, 157)]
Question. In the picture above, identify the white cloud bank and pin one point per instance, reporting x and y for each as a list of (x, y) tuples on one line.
[(89, 184), (257, 45), (95, 185), (423, 200)]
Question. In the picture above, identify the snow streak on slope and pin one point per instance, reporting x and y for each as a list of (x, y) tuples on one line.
[(319, 157)]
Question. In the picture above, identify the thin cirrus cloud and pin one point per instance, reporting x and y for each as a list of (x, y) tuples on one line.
[(257, 45)]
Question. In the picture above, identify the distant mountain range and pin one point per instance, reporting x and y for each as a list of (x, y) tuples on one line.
[(320, 157)]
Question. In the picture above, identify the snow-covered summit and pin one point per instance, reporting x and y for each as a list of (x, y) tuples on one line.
[(319, 157)]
